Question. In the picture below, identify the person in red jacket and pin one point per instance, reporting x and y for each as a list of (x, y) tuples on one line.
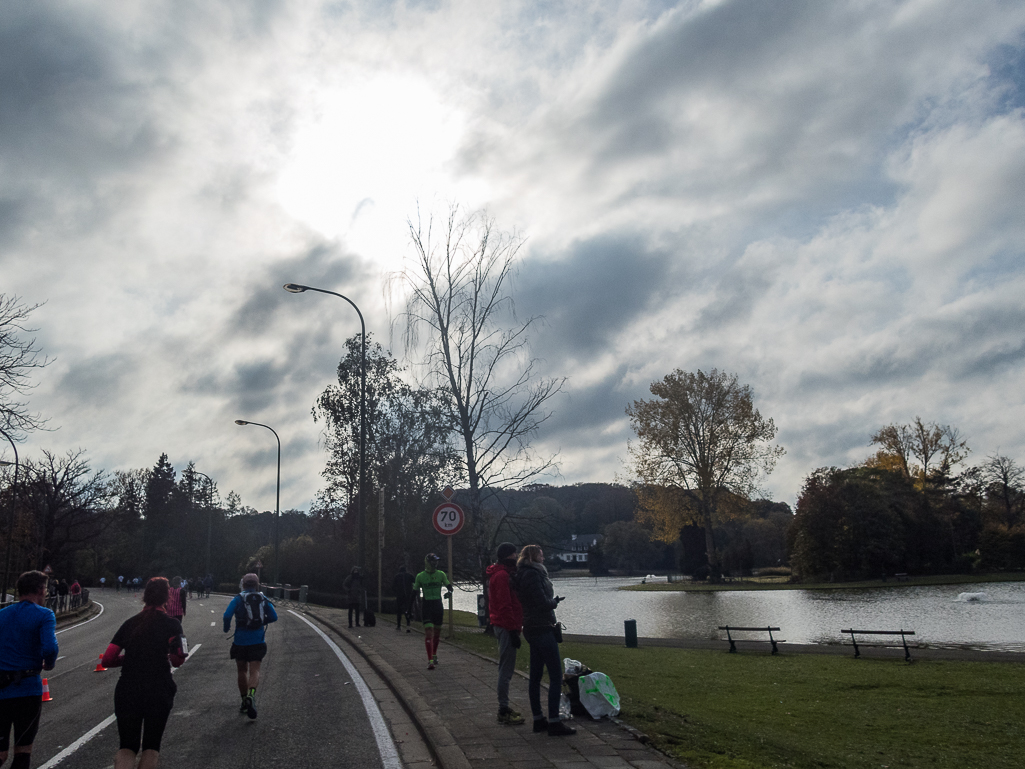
[(506, 616)]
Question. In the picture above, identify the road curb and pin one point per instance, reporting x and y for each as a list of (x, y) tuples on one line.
[(440, 743)]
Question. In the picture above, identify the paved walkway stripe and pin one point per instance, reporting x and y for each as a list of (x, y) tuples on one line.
[(74, 746), (385, 745)]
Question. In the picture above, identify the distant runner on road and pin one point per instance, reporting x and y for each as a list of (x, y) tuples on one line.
[(28, 644), (252, 613), (431, 580)]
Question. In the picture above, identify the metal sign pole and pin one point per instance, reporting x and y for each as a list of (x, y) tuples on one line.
[(380, 552), (451, 627)]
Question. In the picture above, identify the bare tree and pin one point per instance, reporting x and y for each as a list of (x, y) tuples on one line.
[(701, 435), (18, 357), (1005, 487), (459, 313), (935, 448)]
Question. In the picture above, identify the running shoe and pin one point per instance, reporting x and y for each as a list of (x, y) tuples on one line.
[(435, 659), (244, 706), (251, 707), (430, 665), (509, 717)]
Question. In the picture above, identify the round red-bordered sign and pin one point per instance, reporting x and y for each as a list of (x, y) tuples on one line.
[(448, 518)]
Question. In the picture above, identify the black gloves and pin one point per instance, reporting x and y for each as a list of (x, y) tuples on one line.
[(559, 599), (516, 642)]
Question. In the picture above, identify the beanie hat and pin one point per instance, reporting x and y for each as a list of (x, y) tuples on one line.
[(505, 550)]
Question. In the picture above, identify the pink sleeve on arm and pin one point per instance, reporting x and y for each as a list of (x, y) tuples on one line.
[(112, 657)]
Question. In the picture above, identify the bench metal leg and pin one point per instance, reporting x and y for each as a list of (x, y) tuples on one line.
[(907, 652), (854, 641), (772, 641), (733, 644)]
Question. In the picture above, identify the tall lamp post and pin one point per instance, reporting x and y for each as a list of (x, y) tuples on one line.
[(10, 518), (295, 288), (209, 516), (277, 499)]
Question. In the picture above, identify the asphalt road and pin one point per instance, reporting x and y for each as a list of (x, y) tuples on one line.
[(311, 713)]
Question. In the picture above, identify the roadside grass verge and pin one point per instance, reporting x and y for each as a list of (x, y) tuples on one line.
[(756, 711), (782, 583)]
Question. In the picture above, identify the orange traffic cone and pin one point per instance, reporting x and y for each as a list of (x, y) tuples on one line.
[(46, 691), (99, 666)]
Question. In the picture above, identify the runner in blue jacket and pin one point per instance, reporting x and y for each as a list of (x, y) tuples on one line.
[(252, 612), (28, 645)]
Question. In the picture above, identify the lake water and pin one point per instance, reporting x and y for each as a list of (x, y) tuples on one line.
[(941, 616)]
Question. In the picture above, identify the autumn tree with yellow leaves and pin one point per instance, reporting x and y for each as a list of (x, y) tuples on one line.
[(701, 448)]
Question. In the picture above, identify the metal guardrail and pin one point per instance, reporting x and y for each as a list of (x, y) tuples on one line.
[(286, 596)]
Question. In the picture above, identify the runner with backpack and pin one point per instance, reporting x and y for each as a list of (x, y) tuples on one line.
[(252, 613)]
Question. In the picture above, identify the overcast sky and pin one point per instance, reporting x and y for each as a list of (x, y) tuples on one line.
[(827, 198)]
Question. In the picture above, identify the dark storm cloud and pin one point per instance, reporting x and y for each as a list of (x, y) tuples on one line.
[(593, 292), (321, 265), (100, 380)]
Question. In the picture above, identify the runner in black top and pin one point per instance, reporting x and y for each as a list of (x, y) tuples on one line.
[(145, 692)]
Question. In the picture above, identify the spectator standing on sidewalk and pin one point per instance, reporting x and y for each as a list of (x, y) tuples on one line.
[(176, 599), (431, 580), (62, 595), (252, 613), (506, 617), (28, 645), (402, 587), (353, 586), (145, 647), (537, 596), (75, 591)]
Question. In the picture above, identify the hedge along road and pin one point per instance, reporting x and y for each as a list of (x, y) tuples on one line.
[(311, 710)]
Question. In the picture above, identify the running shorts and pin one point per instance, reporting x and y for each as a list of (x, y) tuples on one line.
[(434, 612), (23, 714), (141, 717), (253, 653)]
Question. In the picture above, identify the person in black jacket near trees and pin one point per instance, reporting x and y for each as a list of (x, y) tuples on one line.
[(402, 587), (537, 596), (353, 586)]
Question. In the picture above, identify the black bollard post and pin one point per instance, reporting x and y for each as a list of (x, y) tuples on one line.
[(630, 626)]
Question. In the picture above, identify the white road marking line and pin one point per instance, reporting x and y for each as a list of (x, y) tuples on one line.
[(385, 745), (65, 630), (74, 746), (213, 624), (61, 657)]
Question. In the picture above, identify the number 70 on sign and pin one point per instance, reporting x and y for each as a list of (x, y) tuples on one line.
[(448, 518)]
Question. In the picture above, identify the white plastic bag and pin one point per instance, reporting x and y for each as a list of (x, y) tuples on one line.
[(598, 695), (564, 707), (572, 667)]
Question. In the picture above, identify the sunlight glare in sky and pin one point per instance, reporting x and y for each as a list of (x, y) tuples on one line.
[(360, 163)]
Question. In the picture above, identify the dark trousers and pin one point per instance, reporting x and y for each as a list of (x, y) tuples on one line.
[(544, 653), (354, 607)]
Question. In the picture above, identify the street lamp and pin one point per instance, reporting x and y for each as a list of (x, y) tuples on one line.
[(209, 517), (277, 501), (295, 288), (10, 518)]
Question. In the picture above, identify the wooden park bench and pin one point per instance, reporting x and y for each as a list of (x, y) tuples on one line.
[(733, 641), (901, 633)]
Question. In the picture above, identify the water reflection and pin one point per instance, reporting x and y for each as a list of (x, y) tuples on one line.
[(936, 614)]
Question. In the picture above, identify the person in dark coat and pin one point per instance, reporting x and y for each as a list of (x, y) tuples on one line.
[(538, 599), (354, 593), (402, 587)]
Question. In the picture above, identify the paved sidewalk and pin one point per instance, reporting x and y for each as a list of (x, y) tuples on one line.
[(456, 707)]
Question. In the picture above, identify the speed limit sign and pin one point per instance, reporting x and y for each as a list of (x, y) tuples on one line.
[(448, 518)]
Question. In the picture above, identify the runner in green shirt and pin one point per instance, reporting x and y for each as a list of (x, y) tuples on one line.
[(431, 580)]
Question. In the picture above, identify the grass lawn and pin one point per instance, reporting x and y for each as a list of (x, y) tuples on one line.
[(783, 583), (747, 711)]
